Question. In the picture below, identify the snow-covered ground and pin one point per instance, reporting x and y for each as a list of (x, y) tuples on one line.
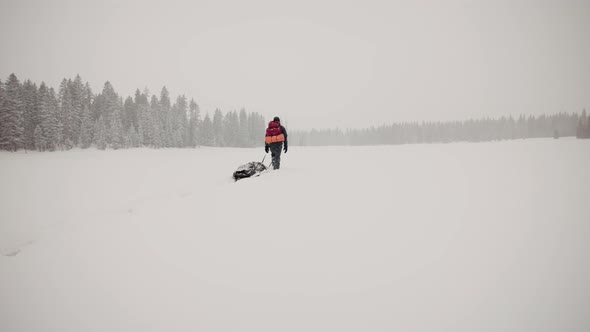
[(442, 237)]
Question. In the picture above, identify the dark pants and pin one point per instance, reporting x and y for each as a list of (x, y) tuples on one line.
[(275, 152)]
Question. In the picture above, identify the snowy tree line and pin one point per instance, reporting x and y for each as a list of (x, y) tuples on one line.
[(583, 129), (504, 128), (41, 118)]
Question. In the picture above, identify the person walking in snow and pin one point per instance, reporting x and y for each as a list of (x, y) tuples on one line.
[(276, 136)]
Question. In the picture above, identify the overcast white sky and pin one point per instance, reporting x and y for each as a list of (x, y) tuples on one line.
[(315, 63)]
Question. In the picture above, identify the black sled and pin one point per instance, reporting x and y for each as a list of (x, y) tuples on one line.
[(253, 168)]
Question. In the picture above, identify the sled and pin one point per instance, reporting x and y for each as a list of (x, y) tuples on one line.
[(251, 169)]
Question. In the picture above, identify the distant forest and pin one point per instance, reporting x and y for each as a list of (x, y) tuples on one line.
[(40, 118), (504, 128)]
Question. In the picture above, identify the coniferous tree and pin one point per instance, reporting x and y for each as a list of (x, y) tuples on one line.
[(2, 113), (218, 129), (39, 140), (78, 101), (179, 122), (581, 129), (231, 129), (129, 110), (258, 130), (42, 130), (208, 132), (252, 119), (47, 118), (164, 113), (111, 100), (140, 135), (157, 127), (194, 124), (244, 133), (30, 113), (129, 138), (11, 116), (100, 133), (86, 128), (145, 120), (55, 123), (87, 97), (66, 114), (105, 106), (116, 131)]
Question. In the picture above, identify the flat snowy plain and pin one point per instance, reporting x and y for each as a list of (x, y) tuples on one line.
[(441, 237)]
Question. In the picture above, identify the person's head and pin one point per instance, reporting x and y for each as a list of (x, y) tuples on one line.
[(276, 119)]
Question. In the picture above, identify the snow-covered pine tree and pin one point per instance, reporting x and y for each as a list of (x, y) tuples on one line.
[(231, 128), (156, 122), (128, 138), (1, 109), (106, 104), (86, 128), (145, 127), (251, 128), (208, 131), (194, 124), (164, 109), (66, 114), (218, 129), (140, 102), (180, 122), (78, 95), (88, 97), (140, 135), (30, 113), (149, 127), (244, 133), (172, 124), (100, 134), (235, 128), (135, 137), (11, 116), (585, 131), (129, 113), (257, 129), (55, 126), (111, 100), (116, 130), (39, 140), (42, 140), (581, 127)]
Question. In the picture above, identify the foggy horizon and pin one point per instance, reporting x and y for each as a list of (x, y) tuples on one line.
[(326, 65)]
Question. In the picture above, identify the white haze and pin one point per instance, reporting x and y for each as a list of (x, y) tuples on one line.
[(440, 237), (315, 63)]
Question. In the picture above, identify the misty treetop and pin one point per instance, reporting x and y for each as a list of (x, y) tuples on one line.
[(583, 128), (39, 118)]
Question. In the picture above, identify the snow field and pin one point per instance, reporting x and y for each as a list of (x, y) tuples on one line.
[(447, 237)]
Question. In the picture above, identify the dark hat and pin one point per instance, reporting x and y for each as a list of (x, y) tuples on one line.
[(276, 119)]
